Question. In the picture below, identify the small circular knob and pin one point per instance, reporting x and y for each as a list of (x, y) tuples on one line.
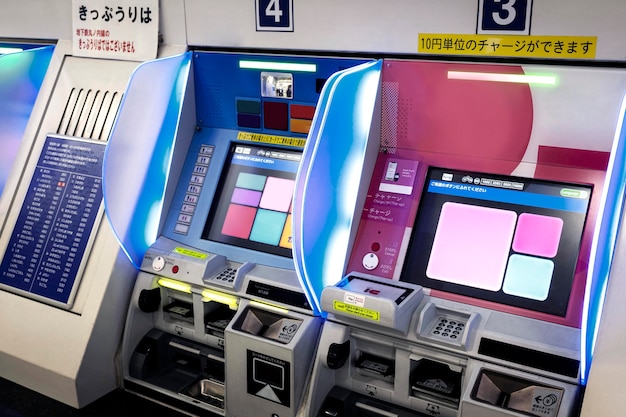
[(370, 261), (158, 263)]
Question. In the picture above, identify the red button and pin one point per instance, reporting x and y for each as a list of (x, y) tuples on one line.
[(175, 269), (375, 246)]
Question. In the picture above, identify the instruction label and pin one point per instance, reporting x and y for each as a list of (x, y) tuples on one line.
[(189, 252), (516, 46), (276, 140), (354, 310), (545, 402)]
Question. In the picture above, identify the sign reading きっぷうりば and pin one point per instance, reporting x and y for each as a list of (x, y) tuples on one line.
[(118, 29)]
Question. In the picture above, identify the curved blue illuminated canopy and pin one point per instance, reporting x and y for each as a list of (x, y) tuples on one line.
[(139, 152), (604, 243), (329, 177), (21, 75)]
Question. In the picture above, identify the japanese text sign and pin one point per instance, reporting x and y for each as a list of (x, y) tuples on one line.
[(118, 29), (570, 47)]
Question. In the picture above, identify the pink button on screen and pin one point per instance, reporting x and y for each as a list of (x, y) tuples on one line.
[(538, 235), (238, 221), (471, 246), (277, 194)]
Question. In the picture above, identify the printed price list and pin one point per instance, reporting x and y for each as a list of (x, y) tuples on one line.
[(55, 222)]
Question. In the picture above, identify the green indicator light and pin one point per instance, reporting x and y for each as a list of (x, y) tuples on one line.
[(567, 192), (537, 79)]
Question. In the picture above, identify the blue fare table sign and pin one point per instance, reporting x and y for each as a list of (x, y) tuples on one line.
[(45, 255)]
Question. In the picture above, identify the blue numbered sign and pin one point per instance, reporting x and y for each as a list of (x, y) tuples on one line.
[(504, 16), (274, 15)]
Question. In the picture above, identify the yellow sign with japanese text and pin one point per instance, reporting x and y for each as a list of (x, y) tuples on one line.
[(276, 140), (358, 311), (515, 46), (189, 252)]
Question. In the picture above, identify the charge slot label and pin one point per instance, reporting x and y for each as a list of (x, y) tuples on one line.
[(356, 311)]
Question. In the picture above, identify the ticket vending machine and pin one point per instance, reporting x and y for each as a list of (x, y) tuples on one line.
[(218, 322), (465, 280), (64, 282)]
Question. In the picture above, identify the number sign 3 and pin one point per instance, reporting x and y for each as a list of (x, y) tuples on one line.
[(504, 16)]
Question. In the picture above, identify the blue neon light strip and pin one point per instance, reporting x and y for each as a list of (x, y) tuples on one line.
[(578, 205), (603, 246)]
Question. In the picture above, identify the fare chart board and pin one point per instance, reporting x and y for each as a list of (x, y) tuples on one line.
[(52, 234)]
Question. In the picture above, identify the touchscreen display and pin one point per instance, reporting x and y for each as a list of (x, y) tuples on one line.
[(253, 204), (510, 240)]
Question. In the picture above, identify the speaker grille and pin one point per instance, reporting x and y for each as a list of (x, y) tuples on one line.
[(89, 113), (389, 117)]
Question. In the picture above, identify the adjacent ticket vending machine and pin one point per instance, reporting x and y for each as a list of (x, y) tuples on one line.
[(464, 275), (64, 282), (218, 322), (22, 72)]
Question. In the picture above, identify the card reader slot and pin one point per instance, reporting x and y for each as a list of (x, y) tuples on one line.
[(436, 380), (217, 318), (376, 365), (179, 310)]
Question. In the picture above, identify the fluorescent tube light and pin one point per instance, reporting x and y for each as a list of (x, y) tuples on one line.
[(277, 66), (174, 285), (503, 78), (8, 50)]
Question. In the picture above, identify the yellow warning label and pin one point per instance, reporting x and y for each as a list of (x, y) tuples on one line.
[(276, 140), (189, 252), (356, 310), (518, 46)]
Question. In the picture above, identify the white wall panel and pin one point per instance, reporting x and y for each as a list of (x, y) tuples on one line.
[(393, 26)]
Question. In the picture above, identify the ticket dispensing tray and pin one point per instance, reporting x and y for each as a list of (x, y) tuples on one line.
[(177, 331), (370, 369), (178, 365)]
